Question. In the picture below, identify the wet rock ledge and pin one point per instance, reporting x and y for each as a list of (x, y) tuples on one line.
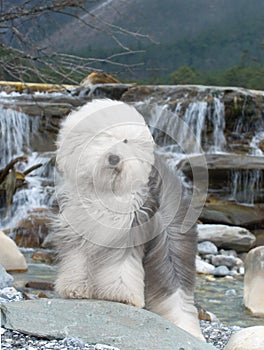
[(116, 324)]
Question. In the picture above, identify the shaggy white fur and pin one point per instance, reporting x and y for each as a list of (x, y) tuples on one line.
[(119, 234)]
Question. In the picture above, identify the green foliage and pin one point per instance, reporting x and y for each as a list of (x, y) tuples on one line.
[(251, 77), (185, 75), (248, 77)]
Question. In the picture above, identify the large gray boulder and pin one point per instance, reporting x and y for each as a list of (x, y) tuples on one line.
[(228, 237), (94, 321)]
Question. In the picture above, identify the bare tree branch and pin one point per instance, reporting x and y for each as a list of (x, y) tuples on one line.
[(24, 57), (22, 11)]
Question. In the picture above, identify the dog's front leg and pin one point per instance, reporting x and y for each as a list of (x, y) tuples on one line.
[(74, 278), (120, 277)]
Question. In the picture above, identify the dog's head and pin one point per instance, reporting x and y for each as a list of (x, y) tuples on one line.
[(107, 148)]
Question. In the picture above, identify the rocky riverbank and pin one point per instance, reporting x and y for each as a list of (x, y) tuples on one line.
[(227, 262)]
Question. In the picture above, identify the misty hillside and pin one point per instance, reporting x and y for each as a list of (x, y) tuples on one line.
[(203, 34)]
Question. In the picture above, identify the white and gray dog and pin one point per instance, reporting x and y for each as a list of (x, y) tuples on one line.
[(120, 233)]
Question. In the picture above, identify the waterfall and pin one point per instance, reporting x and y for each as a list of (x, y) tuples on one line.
[(199, 127), (185, 129), (218, 120), (246, 186), (16, 130), (257, 139), (14, 134)]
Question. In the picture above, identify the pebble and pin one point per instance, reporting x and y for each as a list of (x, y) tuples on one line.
[(10, 294), (215, 333), (15, 340), (219, 263)]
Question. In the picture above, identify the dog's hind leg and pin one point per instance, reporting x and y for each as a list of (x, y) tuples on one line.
[(178, 308), (170, 277)]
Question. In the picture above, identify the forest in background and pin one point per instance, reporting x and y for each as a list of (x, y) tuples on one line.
[(176, 42)]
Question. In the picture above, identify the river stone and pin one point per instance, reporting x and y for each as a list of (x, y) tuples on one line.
[(32, 230), (6, 280), (251, 338), (227, 237), (229, 252), (97, 321), (203, 267), (254, 282), (221, 271), (10, 256), (206, 247), (231, 213), (229, 261)]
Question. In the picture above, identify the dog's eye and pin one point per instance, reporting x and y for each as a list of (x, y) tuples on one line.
[(113, 159), (125, 141)]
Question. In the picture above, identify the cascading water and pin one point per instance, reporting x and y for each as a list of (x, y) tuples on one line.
[(199, 128), (218, 121), (246, 186), (14, 134), (184, 131), (188, 127), (16, 130), (256, 142)]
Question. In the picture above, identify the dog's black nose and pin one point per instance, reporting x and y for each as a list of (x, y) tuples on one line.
[(113, 159)]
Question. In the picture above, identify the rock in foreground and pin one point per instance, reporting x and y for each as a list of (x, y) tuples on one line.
[(10, 256), (254, 282), (251, 338), (94, 321)]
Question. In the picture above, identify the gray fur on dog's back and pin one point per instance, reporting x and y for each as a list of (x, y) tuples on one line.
[(169, 260)]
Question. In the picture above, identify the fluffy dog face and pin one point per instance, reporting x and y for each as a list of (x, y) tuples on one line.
[(112, 155), (118, 164)]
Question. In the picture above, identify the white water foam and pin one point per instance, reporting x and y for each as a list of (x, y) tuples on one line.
[(16, 129), (186, 131)]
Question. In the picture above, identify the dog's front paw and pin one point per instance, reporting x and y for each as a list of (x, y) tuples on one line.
[(71, 291), (133, 301), (121, 295)]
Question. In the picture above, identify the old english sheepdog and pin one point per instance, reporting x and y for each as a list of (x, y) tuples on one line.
[(120, 234)]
